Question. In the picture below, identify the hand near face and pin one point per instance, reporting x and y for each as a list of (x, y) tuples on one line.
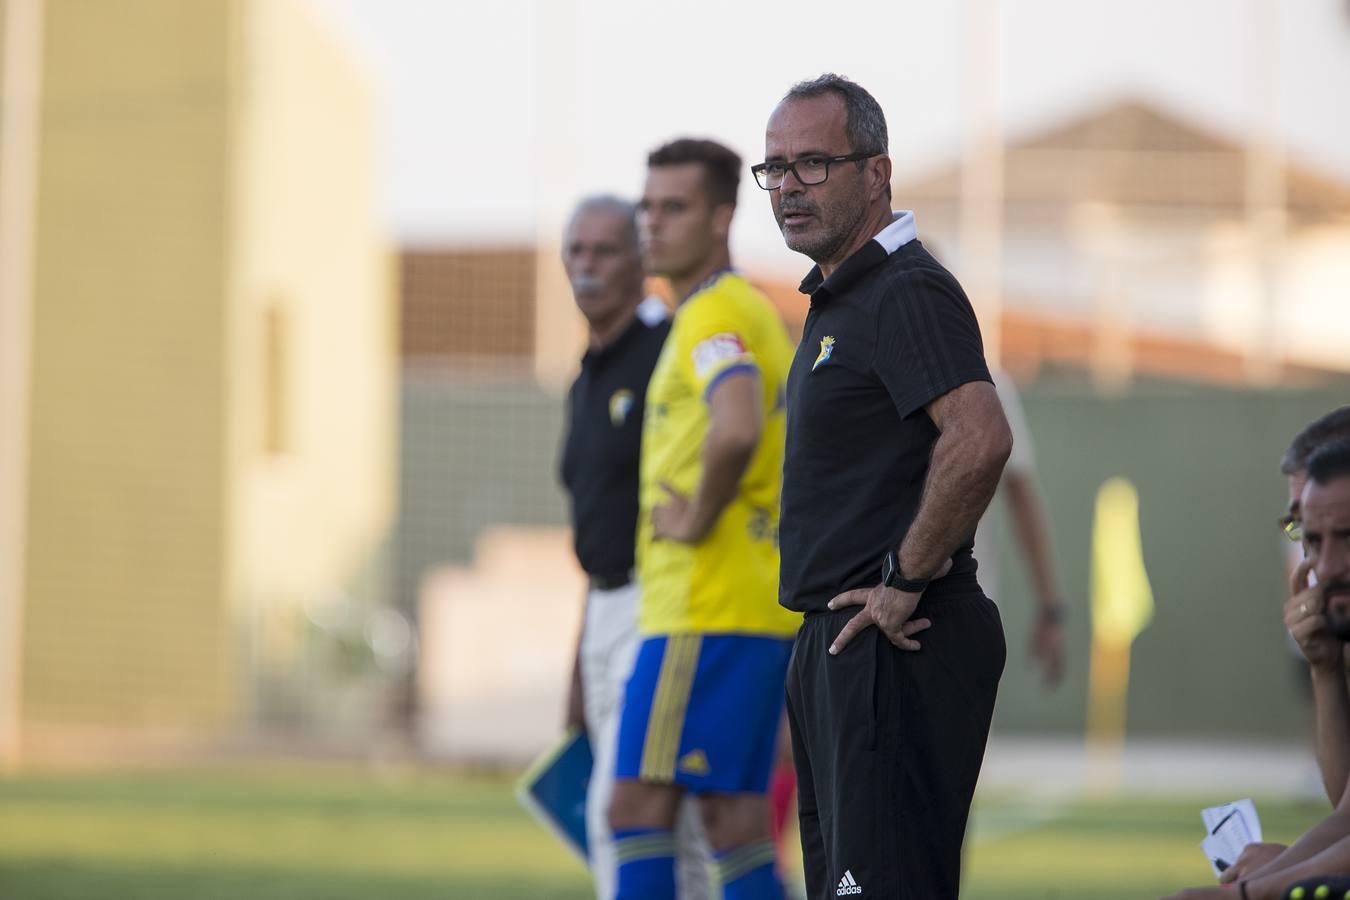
[(1304, 617)]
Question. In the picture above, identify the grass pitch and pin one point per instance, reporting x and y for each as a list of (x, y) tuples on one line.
[(350, 834)]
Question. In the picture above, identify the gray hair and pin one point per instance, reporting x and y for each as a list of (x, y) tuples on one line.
[(613, 204), (866, 126)]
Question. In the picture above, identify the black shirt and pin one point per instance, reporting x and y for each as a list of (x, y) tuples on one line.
[(885, 335), (602, 444)]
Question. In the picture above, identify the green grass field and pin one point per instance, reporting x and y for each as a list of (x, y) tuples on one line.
[(347, 834)]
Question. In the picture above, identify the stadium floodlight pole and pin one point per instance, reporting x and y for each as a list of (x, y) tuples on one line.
[(20, 79), (1265, 188), (981, 222)]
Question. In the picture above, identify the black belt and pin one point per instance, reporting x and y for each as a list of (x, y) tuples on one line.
[(612, 581)]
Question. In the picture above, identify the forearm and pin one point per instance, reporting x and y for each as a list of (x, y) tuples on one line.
[(1331, 832), (1331, 701), (576, 709), (575, 714), (1332, 857), (962, 477), (1029, 521), (726, 455)]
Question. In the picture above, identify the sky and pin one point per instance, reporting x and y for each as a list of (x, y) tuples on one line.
[(493, 117)]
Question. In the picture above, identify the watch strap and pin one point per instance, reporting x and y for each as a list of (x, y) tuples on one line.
[(892, 577)]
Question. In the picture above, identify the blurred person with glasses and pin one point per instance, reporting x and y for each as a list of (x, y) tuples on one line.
[(703, 706), (1311, 636), (896, 441), (1334, 426), (1319, 598), (1303, 617), (599, 470)]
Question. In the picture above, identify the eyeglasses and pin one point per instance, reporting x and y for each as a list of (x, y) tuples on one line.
[(807, 170), (1292, 528)]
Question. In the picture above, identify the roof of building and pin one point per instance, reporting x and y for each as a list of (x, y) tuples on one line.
[(1134, 153)]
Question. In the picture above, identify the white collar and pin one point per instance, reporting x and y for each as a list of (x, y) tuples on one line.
[(652, 311), (899, 233)]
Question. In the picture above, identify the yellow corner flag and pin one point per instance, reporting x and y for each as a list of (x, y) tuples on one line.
[(1122, 607)]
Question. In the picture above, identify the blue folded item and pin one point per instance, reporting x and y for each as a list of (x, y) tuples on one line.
[(554, 790)]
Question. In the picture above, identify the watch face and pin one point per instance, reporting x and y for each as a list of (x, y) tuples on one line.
[(888, 567)]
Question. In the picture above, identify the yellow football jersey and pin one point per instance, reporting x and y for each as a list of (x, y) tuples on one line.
[(727, 583)]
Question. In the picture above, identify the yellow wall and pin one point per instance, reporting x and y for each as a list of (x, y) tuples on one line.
[(306, 519), (20, 71), (202, 162), (124, 599)]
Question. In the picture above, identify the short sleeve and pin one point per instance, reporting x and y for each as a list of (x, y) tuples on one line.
[(712, 347), (928, 340)]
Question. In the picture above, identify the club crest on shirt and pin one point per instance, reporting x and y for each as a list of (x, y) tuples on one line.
[(826, 348), (620, 405)]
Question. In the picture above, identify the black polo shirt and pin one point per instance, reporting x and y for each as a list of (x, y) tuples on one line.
[(602, 444), (887, 333)]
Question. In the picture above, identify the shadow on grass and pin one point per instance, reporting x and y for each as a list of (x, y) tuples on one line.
[(433, 796), (68, 879)]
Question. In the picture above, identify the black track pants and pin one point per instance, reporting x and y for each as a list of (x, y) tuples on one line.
[(888, 745)]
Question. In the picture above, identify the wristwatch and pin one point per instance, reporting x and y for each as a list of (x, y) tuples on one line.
[(891, 577)]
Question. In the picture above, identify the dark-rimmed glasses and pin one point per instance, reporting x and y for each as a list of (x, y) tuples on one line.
[(1292, 528), (807, 170)]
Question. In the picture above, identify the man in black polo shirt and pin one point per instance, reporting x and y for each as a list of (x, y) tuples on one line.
[(895, 444), (600, 472)]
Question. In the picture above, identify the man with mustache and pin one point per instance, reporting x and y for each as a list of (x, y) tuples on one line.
[(600, 473), (1325, 510), (895, 443), (705, 699), (1324, 653), (1322, 650)]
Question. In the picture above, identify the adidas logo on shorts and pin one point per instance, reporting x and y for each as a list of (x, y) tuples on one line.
[(847, 886)]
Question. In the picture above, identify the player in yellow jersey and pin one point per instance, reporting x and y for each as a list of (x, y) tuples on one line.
[(703, 705)]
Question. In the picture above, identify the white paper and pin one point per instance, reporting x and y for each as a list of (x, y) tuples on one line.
[(1231, 828), (1215, 814)]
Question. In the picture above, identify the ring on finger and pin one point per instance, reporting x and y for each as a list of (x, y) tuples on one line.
[(1303, 608)]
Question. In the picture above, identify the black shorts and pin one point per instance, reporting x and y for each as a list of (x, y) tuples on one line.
[(888, 745)]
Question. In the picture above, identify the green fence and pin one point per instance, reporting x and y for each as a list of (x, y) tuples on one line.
[(1215, 661)]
